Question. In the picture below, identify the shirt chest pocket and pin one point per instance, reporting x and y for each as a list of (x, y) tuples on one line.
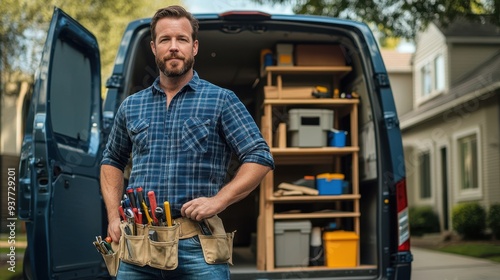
[(138, 130), (195, 135)]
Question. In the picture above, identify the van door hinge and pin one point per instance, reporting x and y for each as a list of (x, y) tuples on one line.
[(115, 81), (391, 120), (382, 80)]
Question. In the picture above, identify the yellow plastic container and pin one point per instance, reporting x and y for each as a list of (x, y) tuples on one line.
[(341, 248)]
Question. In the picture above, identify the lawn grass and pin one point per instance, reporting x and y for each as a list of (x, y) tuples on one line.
[(477, 250), (20, 244), (8, 275)]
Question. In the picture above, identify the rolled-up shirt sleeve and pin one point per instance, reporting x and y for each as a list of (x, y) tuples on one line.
[(118, 147), (243, 135)]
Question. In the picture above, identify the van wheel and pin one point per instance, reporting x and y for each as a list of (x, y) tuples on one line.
[(27, 273)]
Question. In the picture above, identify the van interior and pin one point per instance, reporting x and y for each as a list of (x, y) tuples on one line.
[(230, 56)]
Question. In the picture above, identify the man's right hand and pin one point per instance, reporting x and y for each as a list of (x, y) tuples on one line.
[(114, 230)]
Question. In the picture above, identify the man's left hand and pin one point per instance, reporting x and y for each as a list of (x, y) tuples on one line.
[(200, 208)]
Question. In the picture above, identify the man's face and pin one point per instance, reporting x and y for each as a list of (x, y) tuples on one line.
[(174, 48)]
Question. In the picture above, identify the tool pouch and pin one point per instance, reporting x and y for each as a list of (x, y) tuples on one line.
[(113, 260), (156, 246), (218, 247)]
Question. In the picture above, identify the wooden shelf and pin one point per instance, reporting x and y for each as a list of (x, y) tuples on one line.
[(313, 151), (308, 69), (317, 101), (322, 157), (313, 198), (301, 268), (337, 73), (319, 215)]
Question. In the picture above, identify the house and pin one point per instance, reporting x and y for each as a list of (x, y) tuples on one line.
[(398, 65), (451, 133)]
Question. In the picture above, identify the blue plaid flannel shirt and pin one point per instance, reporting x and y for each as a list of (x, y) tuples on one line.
[(183, 152)]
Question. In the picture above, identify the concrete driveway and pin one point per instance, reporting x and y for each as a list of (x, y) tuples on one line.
[(428, 264)]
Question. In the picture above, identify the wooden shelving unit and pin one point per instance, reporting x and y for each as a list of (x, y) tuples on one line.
[(293, 155)]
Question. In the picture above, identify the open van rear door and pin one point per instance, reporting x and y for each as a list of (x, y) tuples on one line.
[(59, 195)]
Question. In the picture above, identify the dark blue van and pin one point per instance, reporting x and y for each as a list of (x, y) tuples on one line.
[(68, 123)]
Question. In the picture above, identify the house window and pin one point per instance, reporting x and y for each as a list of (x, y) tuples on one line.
[(432, 77), (468, 162), (425, 175), (439, 73), (426, 80)]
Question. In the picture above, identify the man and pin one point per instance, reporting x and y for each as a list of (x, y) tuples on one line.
[(181, 133)]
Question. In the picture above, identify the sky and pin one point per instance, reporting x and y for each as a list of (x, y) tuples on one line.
[(217, 6)]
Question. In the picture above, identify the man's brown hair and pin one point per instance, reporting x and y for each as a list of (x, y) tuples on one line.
[(173, 12)]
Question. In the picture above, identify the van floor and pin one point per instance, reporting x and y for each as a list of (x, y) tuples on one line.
[(244, 260)]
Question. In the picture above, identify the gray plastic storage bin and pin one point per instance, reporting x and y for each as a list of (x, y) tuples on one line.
[(292, 243), (309, 127)]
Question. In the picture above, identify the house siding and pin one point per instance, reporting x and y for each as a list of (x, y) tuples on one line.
[(430, 44), (491, 152), (402, 91), (464, 58), (439, 132)]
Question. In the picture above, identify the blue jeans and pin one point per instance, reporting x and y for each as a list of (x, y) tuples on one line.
[(192, 265)]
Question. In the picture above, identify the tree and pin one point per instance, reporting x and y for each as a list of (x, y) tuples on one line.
[(399, 18), (24, 23)]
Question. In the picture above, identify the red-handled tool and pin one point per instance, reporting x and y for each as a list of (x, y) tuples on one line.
[(131, 196), (122, 213), (152, 206), (139, 214), (138, 219), (140, 196)]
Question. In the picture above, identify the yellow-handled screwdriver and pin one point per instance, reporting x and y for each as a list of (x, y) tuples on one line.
[(168, 216)]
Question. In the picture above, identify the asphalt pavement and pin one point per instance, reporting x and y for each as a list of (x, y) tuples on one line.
[(433, 265)]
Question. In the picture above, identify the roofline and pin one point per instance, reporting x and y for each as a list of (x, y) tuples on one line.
[(399, 71), (426, 115), (471, 39)]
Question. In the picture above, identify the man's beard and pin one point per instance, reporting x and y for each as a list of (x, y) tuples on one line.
[(177, 72)]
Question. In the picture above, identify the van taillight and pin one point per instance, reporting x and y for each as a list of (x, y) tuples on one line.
[(403, 222)]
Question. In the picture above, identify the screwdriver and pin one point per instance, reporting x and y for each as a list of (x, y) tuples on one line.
[(152, 204), (107, 243), (122, 213), (168, 216), (131, 196), (138, 219), (126, 202), (131, 220), (140, 196), (142, 203)]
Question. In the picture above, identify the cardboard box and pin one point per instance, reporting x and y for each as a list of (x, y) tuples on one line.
[(272, 92), (284, 54), (319, 55), (341, 248)]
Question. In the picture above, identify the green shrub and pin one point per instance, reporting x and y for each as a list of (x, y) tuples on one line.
[(494, 220), (469, 220), (423, 220)]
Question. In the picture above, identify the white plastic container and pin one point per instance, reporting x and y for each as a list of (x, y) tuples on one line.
[(309, 127)]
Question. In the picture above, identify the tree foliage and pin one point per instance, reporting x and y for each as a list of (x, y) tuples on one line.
[(399, 18), (24, 23)]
